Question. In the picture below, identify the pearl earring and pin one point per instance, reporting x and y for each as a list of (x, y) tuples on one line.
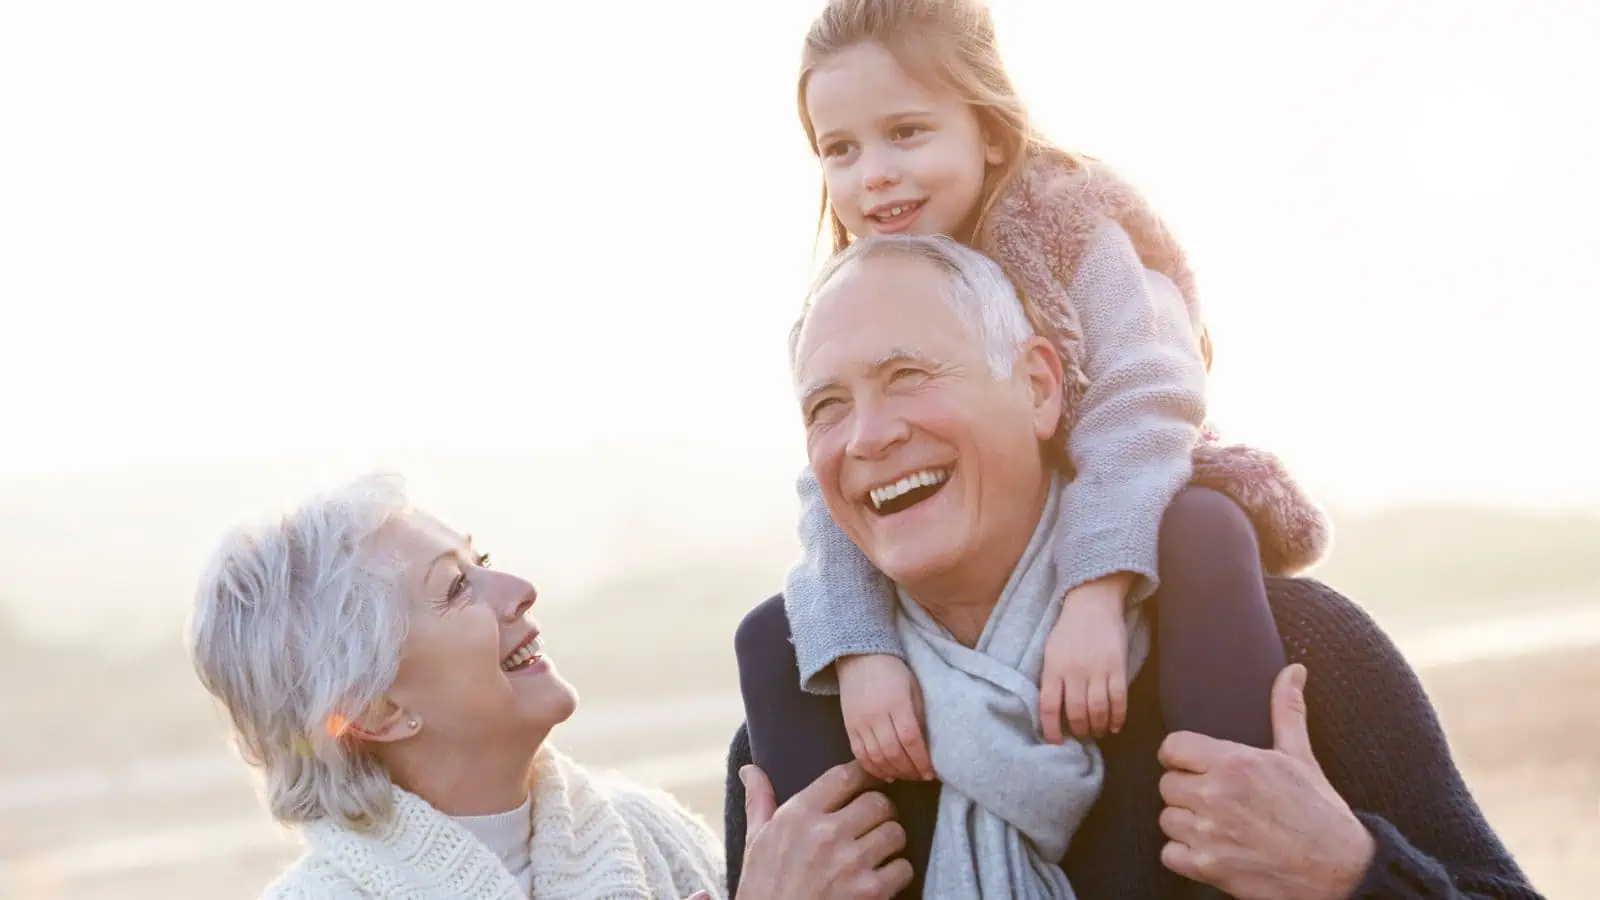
[(412, 724)]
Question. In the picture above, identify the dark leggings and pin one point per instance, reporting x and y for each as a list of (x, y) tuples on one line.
[(1218, 644)]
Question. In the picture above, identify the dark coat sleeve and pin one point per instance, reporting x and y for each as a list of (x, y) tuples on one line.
[(1380, 742)]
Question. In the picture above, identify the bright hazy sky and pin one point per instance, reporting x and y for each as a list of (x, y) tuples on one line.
[(232, 230)]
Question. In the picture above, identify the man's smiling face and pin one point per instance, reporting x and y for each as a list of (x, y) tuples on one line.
[(925, 456)]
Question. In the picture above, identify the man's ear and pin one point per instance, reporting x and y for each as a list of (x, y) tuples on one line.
[(384, 722), (1040, 365)]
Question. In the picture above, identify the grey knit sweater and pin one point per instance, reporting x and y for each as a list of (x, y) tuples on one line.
[(1131, 449)]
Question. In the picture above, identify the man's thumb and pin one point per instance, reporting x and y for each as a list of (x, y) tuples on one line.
[(760, 802), (1289, 733)]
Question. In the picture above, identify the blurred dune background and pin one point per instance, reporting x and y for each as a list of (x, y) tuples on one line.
[(541, 258)]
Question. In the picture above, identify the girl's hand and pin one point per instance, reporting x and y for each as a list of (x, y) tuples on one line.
[(882, 706), (1085, 672)]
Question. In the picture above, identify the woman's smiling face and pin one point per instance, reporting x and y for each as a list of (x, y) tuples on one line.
[(472, 668)]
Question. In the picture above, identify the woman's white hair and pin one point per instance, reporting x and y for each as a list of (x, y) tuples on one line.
[(296, 624), (978, 291)]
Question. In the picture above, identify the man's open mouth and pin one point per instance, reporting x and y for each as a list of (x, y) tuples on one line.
[(908, 491), (530, 651)]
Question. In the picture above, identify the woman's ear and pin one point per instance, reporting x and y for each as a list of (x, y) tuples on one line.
[(384, 722), (1040, 365)]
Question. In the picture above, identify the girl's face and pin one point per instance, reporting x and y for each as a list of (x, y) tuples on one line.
[(898, 158)]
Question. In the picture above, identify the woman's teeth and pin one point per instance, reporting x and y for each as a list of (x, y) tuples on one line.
[(925, 478), (528, 654)]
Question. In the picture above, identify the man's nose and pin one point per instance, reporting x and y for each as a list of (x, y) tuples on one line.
[(875, 431)]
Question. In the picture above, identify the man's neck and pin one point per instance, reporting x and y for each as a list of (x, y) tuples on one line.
[(461, 782), (962, 599)]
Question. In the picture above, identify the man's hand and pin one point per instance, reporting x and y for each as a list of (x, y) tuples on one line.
[(1261, 824), (1085, 670), (831, 840), (882, 706)]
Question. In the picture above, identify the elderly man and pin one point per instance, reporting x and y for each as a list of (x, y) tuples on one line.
[(1361, 800)]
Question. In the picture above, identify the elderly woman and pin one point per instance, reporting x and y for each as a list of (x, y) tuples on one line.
[(389, 686)]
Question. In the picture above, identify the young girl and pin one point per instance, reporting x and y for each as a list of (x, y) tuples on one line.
[(919, 130)]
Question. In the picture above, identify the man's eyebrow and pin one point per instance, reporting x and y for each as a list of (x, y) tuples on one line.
[(899, 355), (882, 361), (816, 387)]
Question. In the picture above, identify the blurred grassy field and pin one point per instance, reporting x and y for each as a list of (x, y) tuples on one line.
[(651, 654)]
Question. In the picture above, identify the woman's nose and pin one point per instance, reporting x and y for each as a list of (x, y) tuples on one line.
[(514, 597)]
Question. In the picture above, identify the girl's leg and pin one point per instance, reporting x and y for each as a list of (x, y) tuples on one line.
[(1219, 645)]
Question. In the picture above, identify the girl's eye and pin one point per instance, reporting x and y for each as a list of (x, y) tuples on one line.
[(906, 132), (837, 148)]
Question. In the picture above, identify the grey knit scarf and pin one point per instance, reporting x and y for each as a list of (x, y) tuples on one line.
[(1010, 802)]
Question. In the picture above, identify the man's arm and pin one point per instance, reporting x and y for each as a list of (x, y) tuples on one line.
[(1382, 747), (1358, 797), (734, 821)]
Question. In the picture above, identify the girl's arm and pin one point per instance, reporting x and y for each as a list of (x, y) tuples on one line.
[(838, 603), (1133, 437)]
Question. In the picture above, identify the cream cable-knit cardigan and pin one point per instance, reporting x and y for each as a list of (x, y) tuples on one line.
[(594, 837)]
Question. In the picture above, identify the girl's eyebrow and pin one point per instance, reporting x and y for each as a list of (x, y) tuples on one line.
[(913, 113)]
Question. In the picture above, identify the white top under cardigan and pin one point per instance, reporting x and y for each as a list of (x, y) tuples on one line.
[(588, 836)]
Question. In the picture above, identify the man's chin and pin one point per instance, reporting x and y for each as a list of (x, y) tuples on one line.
[(910, 566)]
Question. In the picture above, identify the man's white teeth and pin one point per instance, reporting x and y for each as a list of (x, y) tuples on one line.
[(925, 478), (532, 650)]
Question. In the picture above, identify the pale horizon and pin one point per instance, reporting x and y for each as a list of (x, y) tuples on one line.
[(224, 239)]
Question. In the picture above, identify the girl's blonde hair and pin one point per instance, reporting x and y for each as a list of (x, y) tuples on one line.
[(949, 44)]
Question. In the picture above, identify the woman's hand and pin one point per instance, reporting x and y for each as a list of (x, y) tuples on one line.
[(834, 839)]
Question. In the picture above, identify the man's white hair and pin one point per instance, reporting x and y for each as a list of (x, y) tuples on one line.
[(297, 623), (977, 289)]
